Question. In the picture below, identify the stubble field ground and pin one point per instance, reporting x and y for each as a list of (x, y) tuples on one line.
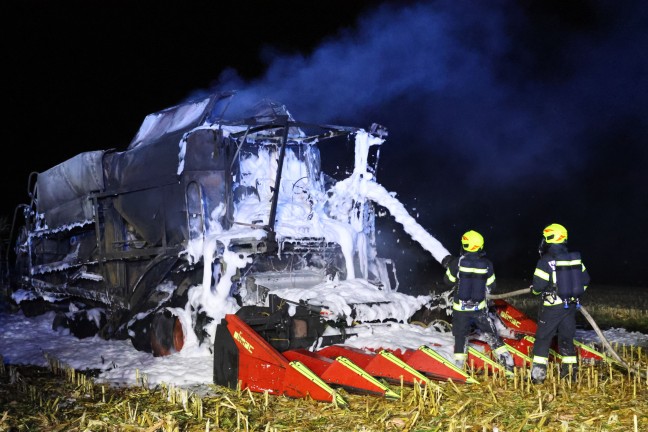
[(604, 397)]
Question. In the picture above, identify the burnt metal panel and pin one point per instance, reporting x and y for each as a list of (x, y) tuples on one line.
[(62, 190)]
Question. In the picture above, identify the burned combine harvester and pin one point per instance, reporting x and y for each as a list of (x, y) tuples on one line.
[(212, 228), (122, 233)]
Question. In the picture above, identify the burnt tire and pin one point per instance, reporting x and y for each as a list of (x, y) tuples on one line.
[(139, 334), (84, 323), (167, 336)]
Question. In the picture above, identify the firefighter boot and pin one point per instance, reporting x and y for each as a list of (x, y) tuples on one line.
[(460, 360), (538, 373)]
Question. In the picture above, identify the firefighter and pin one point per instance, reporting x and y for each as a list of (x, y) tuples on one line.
[(560, 278), (473, 277)]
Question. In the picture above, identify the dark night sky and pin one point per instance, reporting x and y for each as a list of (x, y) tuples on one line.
[(503, 116)]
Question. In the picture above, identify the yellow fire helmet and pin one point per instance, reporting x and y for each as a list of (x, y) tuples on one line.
[(555, 233), (472, 241)]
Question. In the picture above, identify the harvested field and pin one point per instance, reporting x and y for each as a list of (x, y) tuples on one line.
[(604, 397)]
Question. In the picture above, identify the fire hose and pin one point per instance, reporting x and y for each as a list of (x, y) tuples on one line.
[(589, 319)]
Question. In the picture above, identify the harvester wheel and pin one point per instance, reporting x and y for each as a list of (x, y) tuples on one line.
[(82, 324), (167, 336)]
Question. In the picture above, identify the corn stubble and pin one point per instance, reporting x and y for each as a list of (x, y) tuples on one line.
[(603, 397)]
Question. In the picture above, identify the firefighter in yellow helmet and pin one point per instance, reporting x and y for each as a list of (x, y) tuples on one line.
[(473, 277), (560, 278)]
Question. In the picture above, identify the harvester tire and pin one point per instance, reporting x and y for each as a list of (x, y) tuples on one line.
[(166, 333)]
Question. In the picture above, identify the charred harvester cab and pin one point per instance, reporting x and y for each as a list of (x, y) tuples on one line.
[(219, 227)]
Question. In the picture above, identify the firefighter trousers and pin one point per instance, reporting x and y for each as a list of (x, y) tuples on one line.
[(554, 320)]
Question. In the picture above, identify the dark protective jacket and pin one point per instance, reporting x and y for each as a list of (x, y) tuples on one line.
[(560, 276), (474, 277)]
